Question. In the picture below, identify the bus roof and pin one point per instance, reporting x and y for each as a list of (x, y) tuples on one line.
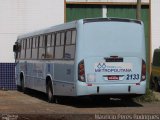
[(68, 25), (72, 24)]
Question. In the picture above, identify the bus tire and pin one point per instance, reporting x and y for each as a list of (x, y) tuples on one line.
[(22, 86), (19, 88), (50, 95)]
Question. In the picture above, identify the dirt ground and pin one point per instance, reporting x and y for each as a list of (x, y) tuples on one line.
[(17, 105)]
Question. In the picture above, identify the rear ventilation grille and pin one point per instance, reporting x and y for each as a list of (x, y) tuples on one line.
[(89, 20)]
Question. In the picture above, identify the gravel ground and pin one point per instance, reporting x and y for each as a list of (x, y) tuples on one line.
[(35, 106)]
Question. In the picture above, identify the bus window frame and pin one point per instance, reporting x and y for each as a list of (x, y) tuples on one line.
[(39, 45)]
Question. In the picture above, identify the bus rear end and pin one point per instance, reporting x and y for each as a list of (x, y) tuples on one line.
[(111, 58)]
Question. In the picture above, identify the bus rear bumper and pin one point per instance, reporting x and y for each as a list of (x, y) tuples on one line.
[(84, 89)]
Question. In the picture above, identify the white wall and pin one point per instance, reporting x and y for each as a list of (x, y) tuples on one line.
[(155, 24), (21, 16)]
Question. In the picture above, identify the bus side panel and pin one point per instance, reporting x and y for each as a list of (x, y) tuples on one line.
[(17, 74), (28, 76), (34, 77), (22, 69), (39, 77), (64, 79)]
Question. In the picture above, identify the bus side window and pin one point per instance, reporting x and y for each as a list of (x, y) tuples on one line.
[(33, 43), (53, 43), (28, 43), (62, 38), (49, 49), (41, 47), (70, 45), (49, 40), (23, 49), (68, 37), (53, 39), (37, 42), (58, 39), (73, 37), (34, 48), (28, 49), (59, 48), (31, 40)]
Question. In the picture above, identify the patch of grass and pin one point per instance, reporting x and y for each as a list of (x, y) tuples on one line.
[(148, 97)]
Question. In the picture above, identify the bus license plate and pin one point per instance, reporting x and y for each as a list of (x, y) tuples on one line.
[(113, 77)]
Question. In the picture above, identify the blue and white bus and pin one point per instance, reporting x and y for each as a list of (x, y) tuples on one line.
[(87, 57)]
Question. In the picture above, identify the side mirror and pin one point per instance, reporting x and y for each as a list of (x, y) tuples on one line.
[(16, 47)]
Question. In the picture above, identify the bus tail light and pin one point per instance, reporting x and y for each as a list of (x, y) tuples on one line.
[(81, 71), (143, 71)]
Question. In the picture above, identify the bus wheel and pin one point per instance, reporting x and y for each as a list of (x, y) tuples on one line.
[(22, 86), (50, 92), (19, 88), (58, 99)]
